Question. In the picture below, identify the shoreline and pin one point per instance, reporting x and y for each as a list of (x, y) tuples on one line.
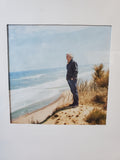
[(40, 115)]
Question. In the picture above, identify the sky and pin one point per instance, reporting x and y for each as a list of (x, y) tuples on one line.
[(33, 47)]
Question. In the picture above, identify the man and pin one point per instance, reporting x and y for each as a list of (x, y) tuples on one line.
[(72, 71)]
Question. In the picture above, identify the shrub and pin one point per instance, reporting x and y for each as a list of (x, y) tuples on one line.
[(94, 91), (100, 76), (96, 116), (98, 71), (98, 99)]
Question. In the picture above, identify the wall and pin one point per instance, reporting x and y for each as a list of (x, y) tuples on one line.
[(28, 142)]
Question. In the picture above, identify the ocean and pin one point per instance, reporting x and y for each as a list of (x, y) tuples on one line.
[(34, 89)]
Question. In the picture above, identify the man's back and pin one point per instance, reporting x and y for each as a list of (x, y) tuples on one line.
[(72, 70)]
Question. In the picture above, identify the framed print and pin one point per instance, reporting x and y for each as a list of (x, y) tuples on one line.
[(58, 74)]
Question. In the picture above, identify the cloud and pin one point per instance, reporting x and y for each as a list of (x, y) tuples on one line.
[(50, 29)]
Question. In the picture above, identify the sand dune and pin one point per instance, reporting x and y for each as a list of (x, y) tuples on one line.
[(71, 116)]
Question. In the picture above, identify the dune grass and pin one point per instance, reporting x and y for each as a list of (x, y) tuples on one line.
[(95, 91), (96, 116)]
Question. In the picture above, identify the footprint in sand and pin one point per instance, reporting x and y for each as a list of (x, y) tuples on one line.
[(56, 122), (73, 121), (55, 115)]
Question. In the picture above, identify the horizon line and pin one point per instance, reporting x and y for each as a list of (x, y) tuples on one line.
[(53, 67)]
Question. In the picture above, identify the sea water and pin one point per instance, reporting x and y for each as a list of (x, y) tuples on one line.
[(34, 89)]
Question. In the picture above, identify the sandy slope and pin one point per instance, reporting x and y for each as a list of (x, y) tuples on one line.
[(71, 116)]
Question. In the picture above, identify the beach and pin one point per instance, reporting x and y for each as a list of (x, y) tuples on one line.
[(45, 112)]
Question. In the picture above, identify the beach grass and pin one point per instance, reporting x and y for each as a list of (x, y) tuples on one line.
[(96, 116), (95, 91)]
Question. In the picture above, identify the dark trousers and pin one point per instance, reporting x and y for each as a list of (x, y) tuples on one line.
[(73, 88)]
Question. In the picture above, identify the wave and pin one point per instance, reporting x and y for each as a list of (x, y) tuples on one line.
[(23, 97), (29, 77)]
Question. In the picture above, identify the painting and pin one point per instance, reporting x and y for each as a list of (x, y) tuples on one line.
[(58, 74)]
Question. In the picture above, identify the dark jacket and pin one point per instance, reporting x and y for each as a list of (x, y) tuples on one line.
[(72, 70)]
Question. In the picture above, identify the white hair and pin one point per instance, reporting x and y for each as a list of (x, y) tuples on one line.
[(70, 55)]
